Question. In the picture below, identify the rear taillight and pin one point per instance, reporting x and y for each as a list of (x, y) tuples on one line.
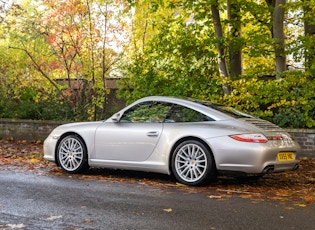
[(275, 138), (254, 138), (280, 137)]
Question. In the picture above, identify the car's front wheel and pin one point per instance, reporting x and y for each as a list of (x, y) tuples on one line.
[(192, 163), (72, 154)]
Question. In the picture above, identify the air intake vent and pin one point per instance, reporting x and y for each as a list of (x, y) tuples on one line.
[(262, 124)]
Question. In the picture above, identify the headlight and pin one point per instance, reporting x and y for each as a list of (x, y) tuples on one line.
[(55, 136)]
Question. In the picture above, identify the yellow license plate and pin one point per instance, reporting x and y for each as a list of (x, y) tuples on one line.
[(286, 156)]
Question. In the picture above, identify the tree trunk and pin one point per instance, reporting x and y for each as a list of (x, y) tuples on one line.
[(235, 47), (220, 48), (309, 31), (271, 6), (92, 60), (278, 32)]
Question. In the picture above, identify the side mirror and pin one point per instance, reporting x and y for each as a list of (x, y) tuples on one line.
[(115, 117)]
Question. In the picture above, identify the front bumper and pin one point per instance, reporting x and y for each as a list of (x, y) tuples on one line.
[(49, 149)]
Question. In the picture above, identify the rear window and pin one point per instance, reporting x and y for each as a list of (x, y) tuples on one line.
[(232, 112), (180, 113), (224, 109)]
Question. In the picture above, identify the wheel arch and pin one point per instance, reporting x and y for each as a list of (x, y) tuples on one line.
[(178, 142), (65, 135)]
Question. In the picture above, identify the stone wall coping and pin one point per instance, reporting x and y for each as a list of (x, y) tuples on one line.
[(297, 130), (6, 120)]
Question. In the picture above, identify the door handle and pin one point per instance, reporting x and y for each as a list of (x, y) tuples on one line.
[(153, 134)]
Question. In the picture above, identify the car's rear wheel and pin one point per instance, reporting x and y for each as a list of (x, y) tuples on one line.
[(72, 154), (192, 163)]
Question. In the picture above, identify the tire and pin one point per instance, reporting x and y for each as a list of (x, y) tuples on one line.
[(192, 163), (72, 154)]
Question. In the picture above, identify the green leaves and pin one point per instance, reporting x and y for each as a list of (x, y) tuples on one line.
[(179, 60), (288, 102)]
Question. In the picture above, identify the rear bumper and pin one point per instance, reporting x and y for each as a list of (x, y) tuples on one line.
[(252, 158)]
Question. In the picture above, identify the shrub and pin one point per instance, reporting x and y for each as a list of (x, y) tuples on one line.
[(288, 102)]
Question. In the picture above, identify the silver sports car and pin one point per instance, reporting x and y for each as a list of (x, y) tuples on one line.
[(193, 140)]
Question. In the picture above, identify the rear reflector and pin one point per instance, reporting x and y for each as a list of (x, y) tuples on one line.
[(254, 138)]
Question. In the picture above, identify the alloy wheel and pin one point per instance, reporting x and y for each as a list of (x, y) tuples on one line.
[(191, 162), (71, 154)]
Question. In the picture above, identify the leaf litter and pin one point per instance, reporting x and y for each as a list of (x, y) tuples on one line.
[(295, 187)]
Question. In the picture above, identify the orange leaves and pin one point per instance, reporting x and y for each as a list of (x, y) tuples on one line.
[(21, 155), (54, 65), (51, 38), (64, 21), (70, 7)]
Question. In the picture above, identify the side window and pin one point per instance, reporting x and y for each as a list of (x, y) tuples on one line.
[(152, 111), (184, 114)]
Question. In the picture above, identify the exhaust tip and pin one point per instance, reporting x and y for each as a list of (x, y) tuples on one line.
[(269, 169)]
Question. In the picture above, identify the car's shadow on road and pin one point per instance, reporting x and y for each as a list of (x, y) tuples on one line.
[(118, 175), (294, 186)]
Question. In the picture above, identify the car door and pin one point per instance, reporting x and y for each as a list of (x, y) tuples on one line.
[(135, 136)]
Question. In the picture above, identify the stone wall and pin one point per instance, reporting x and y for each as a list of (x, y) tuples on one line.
[(39, 130), (26, 129), (306, 139)]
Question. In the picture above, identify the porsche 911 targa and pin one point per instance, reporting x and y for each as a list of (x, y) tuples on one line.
[(190, 139)]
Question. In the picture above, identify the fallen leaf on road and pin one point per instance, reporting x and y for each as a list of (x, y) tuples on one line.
[(301, 205), (215, 197), (33, 160), (229, 192), (16, 226), (168, 210), (54, 217), (88, 221), (179, 184)]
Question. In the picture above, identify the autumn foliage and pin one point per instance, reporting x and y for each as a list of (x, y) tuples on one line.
[(56, 56)]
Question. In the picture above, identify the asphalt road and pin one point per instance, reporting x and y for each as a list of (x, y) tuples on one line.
[(29, 201)]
